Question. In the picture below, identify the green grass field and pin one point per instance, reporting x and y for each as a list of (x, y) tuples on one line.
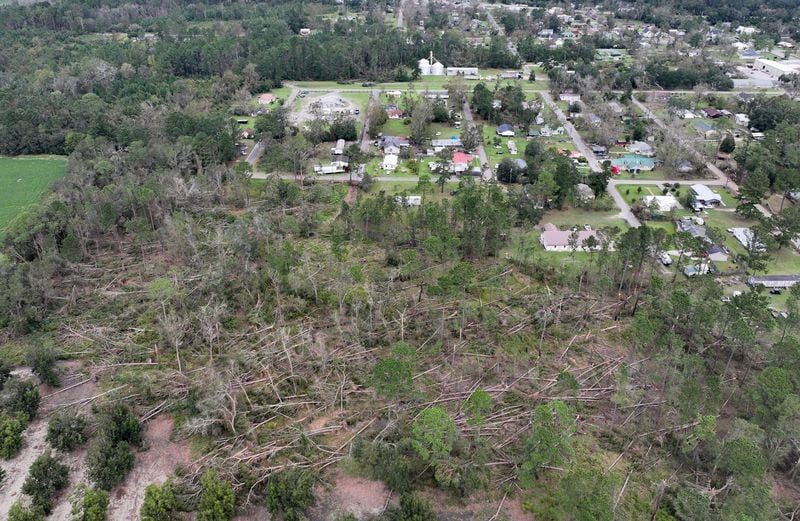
[(23, 180)]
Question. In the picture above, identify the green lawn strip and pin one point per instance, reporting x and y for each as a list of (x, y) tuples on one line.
[(23, 180), (397, 187), (566, 219)]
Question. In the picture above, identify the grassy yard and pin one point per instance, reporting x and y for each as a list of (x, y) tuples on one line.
[(396, 187), (23, 180), (566, 219)]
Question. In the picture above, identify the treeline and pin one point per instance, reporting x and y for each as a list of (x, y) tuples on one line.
[(686, 75)]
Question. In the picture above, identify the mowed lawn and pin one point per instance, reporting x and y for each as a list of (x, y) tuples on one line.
[(23, 180)]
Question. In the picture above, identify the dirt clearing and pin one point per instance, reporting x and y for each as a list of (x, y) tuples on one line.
[(326, 106), (151, 466)]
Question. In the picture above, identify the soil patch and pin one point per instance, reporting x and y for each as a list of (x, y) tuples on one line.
[(151, 466), (360, 496)]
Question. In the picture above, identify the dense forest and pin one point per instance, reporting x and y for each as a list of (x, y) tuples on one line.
[(300, 333)]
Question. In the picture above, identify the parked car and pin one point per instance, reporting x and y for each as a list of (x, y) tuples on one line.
[(665, 259)]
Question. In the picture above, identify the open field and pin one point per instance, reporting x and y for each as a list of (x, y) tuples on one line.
[(23, 180)]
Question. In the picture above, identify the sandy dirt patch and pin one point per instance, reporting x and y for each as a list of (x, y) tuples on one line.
[(326, 106), (75, 386), (359, 496), (151, 466)]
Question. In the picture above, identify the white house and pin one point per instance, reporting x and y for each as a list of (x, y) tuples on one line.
[(703, 196), (408, 200), (390, 162), (569, 97), (391, 150), (743, 120)]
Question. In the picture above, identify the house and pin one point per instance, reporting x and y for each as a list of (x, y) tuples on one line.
[(305, 31), (511, 75), (248, 133), (569, 97), (746, 30), (599, 150), (641, 148), (706, 129), (774, 281), (747, 239), (553, 239), (396, 141), (338, 150), (749, 54), (391, 149), (461, 158), (712, 113), (661, 203), (703, 197), (468, 72), (506, 130), (545, 33), (408, 200), (332, 168), (395, 114), (686, 114), (742, 120), (389, 162), (687, 225), (439, 144), (266, 99)]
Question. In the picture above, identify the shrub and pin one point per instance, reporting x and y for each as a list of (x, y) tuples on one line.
[(46, 477), (89, 504), (119, 424), (42, 359), (18, 512), (108, 463), (289, 494), (22, 397), (160, 503), (11, 429), (412, 508), (5, 373), (66, 431), (217, 501)]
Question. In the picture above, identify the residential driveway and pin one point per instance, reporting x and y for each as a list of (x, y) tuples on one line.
[(258, 149), (624, 209), (488, 173)]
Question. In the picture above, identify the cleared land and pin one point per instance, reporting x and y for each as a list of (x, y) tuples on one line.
[(23, 180)]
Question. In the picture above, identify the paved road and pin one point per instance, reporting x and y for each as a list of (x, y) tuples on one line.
[(344, 178), (486, 167), (258, 149), (594, 164), (365, 138)]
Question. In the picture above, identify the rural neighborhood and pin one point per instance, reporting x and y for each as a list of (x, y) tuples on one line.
[(400, 260)]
